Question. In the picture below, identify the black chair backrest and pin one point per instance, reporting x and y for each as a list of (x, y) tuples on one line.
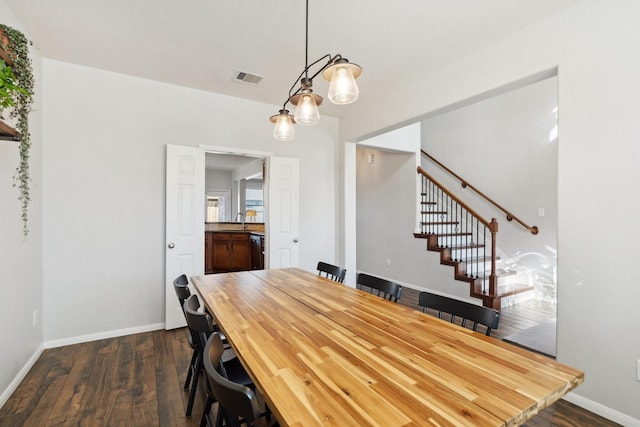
[(332, 272), (181, 286), (199, 323), (235, 399), (381, 287), (479, 315)]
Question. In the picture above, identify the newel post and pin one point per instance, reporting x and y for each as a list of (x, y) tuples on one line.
[(493, 279)]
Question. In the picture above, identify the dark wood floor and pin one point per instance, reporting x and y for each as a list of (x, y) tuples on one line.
[(522, 316), (137, 380)]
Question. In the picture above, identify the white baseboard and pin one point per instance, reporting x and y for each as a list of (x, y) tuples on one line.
[(6, 394), (602, 410), (103, 335)]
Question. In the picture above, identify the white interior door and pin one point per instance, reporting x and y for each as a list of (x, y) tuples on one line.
[(283, 212), (184, 250)]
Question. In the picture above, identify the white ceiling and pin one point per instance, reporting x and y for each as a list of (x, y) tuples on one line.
[(202, 43)]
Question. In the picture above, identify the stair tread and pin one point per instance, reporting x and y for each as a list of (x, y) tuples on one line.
[(427, 235), (434, 212), (465, 246), (499, 273), (440, 223), (476, 259)]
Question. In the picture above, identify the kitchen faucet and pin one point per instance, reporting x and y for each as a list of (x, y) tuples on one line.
[(240, 214)]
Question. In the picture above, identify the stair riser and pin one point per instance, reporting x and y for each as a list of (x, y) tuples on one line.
[(460, 254), (453, 240), (428, 216), (440, 228), (445, 226), (465, 254)]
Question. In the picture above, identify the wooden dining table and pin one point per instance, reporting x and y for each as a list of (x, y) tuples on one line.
[(325, 354)]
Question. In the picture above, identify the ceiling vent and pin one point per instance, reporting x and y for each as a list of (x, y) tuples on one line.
[(248, 78)]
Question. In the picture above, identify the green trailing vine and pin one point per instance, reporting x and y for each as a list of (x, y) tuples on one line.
[(8, 86), (18, 107)]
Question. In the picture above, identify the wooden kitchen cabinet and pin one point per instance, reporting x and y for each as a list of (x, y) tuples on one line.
[(229, 252), (208, 252)]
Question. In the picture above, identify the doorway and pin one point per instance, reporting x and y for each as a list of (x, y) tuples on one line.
[(185, 215), (279, 205)]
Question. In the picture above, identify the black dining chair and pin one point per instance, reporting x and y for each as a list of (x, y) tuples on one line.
[(332, 272), (201, 327), (237, 402), (181, 286), (454, 308), (377, 286)]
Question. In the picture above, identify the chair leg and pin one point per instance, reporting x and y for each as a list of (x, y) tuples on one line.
[(192, 366), (205, 415), (194, 386), (219, 417)]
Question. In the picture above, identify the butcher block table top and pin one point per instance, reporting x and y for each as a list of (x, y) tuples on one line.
[(325, 354)]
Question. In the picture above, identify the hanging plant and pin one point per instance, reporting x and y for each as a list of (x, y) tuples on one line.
[(8, 86), (19, 106)]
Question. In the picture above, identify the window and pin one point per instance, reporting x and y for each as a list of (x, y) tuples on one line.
[(254, 200), (216, 206)]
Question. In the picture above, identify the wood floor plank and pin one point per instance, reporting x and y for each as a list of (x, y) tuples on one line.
[(162, 349), (67, 404), (81, 404), (171, 410), (145, 414), (171, 396), (144, 381), (182, 353), (119, 391)]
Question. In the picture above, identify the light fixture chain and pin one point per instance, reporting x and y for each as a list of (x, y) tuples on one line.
[(306, 41)]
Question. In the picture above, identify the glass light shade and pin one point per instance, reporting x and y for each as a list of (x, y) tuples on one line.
[(307, 110), (283, 130), (343, 88)]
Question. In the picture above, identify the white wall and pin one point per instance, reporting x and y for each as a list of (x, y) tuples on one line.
[(405, 140), (104, 198), (594, 46), (218, 180), (386, 212), (20, 257)]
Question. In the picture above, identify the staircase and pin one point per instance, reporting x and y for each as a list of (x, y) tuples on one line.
[(465, 241)]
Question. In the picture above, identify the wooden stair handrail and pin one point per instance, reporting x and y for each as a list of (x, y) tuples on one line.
[(533, 229), (491, 225)]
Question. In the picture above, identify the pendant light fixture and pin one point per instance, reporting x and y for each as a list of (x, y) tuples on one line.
[(338, 71)]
